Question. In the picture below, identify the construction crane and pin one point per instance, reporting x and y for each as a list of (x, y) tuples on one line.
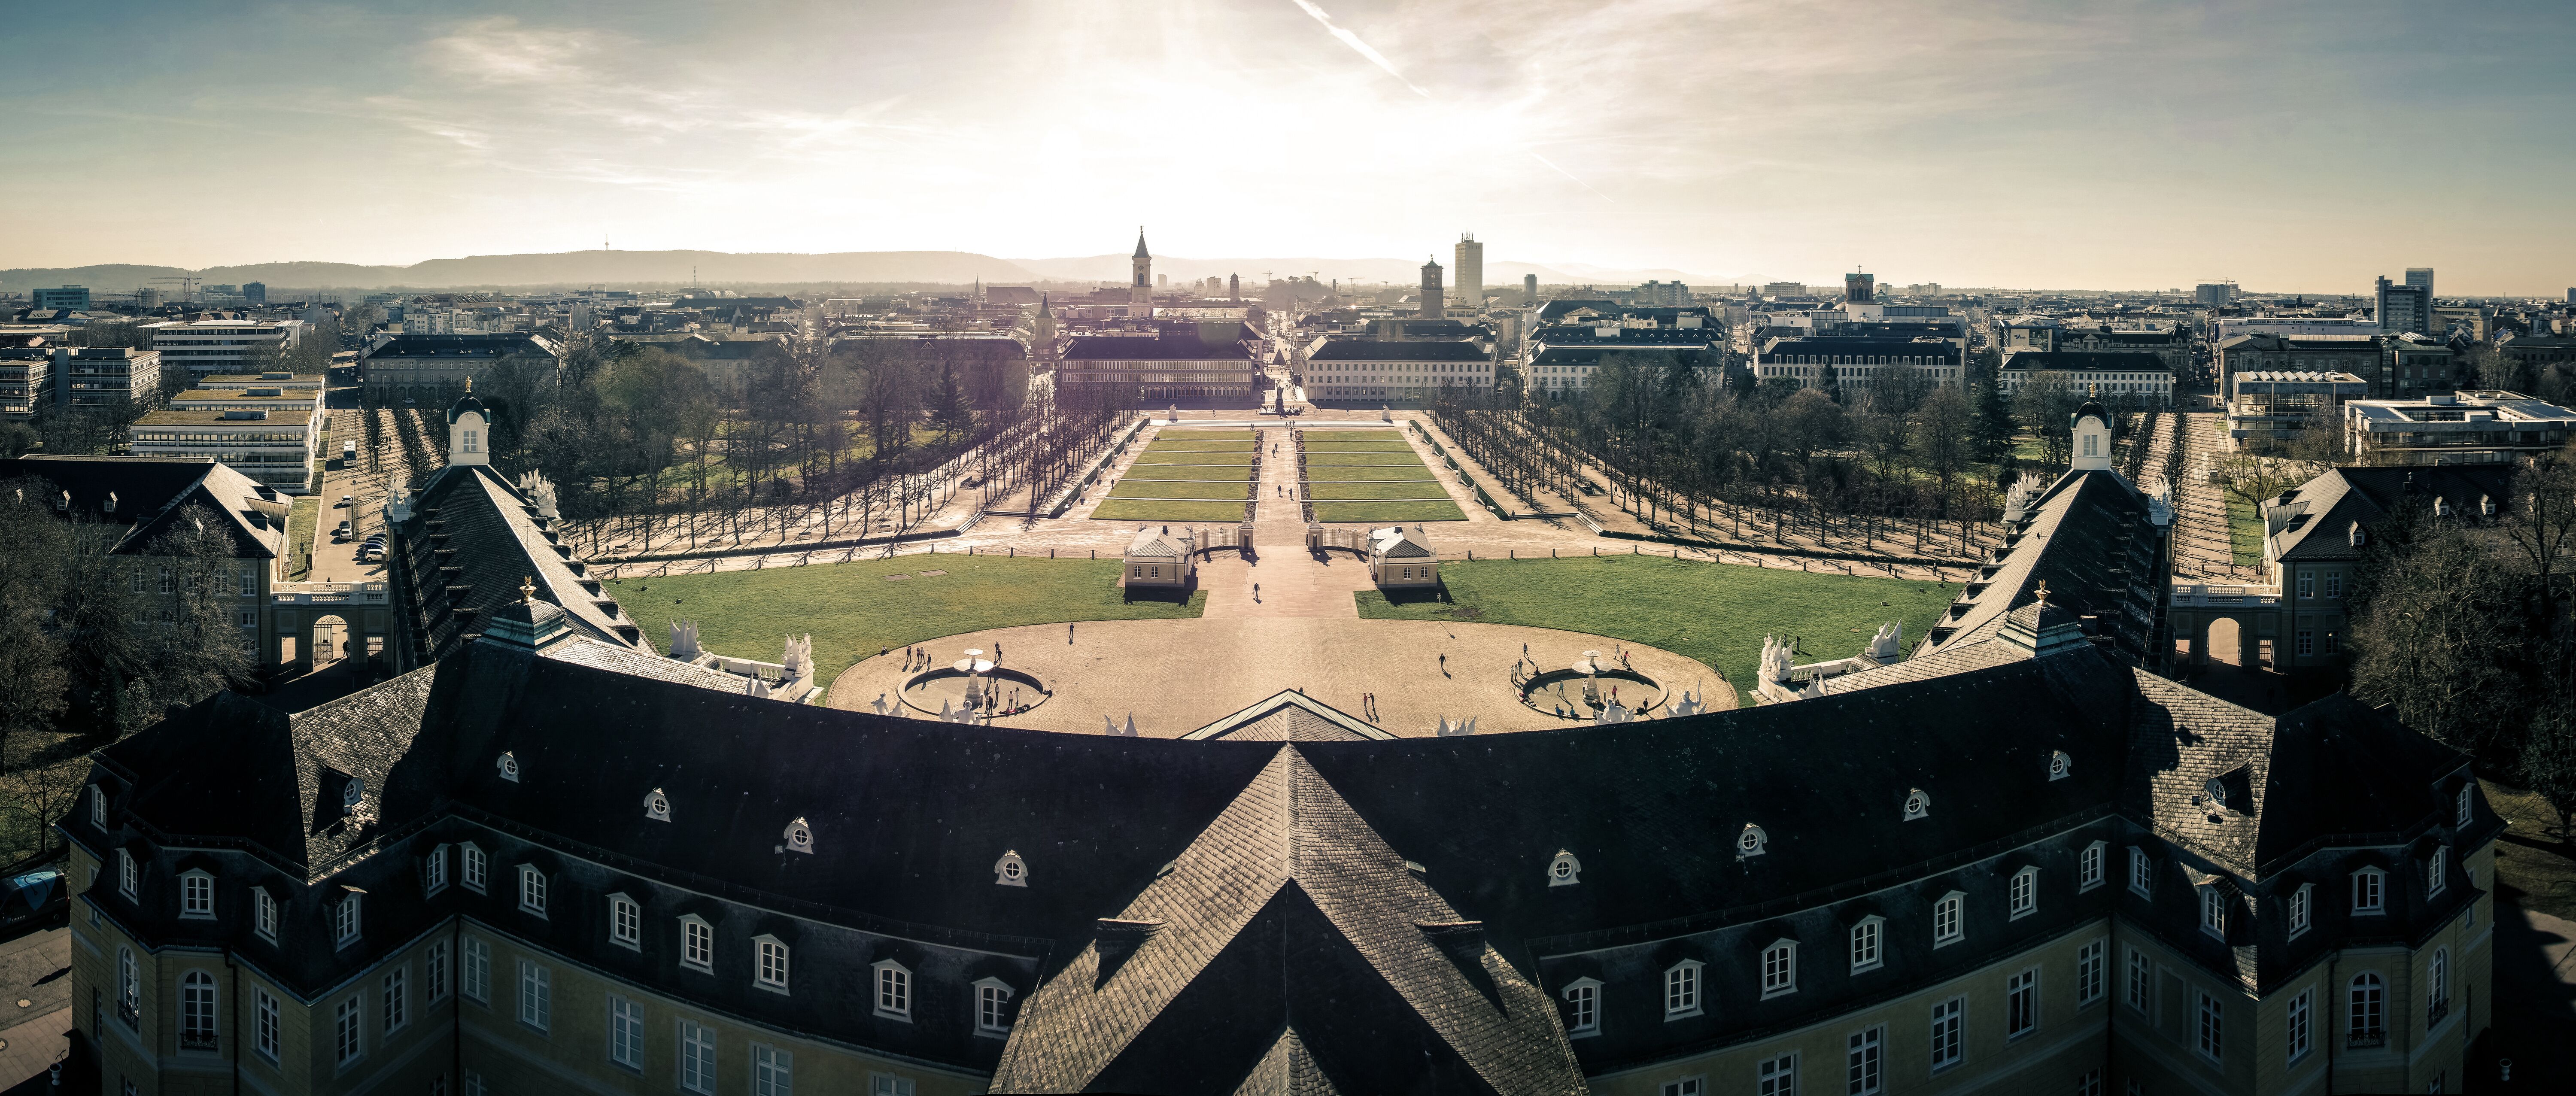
[(187, 287)]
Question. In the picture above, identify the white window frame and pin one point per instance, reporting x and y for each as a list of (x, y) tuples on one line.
[(697, 1057), (2465, 810), (993, 1007), (434, 871), (1865, 1061), (2021, 1003), (2092, 972), (475, 865), (2089, 864), (266, 1028), (474, 979), (536, 996), (2303, 904), (1776, 1075), (129, 876), (2437, 983), (197, 894), (697, 944), (890, 990), (349, 1031), (1682, 989), (98, 806), (2209, 1030), (348, 919), (2024, 893), (2141, 977), (773, 1071), (532, 890), (769, 964), (198, 1011), (2437, 871), (2369, 892), (396, 1001), (2371, 998), (1949, 919), (434, 971), (625, 1032), (1583, 1008), (1868, 943), (2213, 911), (1694, 1085), (2142, 873), (625, 922), (2301, 1016), (1949, 1021), (1779, 968)]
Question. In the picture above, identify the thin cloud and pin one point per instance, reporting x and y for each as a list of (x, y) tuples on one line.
[(1362, 48)]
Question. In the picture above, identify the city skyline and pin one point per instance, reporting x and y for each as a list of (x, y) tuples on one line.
[(2002, 144)]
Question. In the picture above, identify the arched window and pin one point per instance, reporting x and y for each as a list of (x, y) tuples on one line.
[(197, 1011), (2366, 1019)]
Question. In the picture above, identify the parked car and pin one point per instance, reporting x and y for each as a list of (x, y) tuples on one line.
[(348, 500), (31, 895)]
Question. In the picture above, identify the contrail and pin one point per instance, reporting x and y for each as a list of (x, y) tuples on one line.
[(1353, 41), (1379, 59)]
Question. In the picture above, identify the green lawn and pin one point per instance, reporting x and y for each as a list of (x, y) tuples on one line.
[(2245, 532), (1716, 613), (1206, 435), (2531, 859), (852, 610), (1241, 473), (304, 515), (1334, 473), (1216, 460), (1133, 488), (1412, 489), (1388, 511), (1243, 447), (1340, 437), (1159, 510), (1362, 460)]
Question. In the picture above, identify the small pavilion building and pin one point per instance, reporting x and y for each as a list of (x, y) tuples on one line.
[(1401, 559), (1158, 559)]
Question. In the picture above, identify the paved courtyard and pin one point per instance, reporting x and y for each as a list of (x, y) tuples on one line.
[(1304, 632)]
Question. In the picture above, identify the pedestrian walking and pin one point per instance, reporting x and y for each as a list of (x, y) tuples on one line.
[(1444, 663), (1068, 635)]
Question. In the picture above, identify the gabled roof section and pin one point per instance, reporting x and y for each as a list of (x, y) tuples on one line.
[(2086, 537), (2320, 513), (1152, 542), (1396, 350), (473, 539), (1390, 990), (1290, 716), (151, 492)]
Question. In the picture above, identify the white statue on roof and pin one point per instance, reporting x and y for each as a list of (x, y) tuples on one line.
[(1883, 646), (684, 640), (799, 658)]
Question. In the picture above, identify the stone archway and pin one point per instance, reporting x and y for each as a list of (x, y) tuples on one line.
[(327, 640), (2222, 641)]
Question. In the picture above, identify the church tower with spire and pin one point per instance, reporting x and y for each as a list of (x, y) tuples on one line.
[(1140, 291)]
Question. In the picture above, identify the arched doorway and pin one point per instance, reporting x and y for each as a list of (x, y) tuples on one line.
[(331, 638), (2226, 642)]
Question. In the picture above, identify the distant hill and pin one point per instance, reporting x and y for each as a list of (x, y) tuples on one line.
[(563, 269), (626, 268)]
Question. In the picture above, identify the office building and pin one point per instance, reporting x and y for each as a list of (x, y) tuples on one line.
[(1784, 289), (1529, 289), (26, 381), (1469, 258), (2457, 428), (545, 852), (2126, 376), (2214, 293), (1176, 359), (2355, 354), (2274, 410), (269, 439), (106, 376), (73, 297), (223, 346), (1662, 294), (2404, 308), (2232, 326), (2420, 277), (255, 292), (1394, 369)]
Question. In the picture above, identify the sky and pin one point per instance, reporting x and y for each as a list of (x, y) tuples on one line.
[(2286, 144)]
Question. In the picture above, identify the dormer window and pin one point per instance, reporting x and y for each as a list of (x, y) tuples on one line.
[(769, 964), (894, 990), (532, 890), (353, 792), (433, 871), (1681, 989), (1582, 1007), (625, 922), (346, 919), (697, 943), (2142, 873), (2369, 891), (2302, 902), (129, 875), (2213, 911), (1917, 804), (1780, 968), (1564, 870), (472, 867), (2088, 866), (1011, 871), (2025, 893), (2060, 765), (2215, 790), (1865, 937), (509, 764), (98, 806), (2460, 808), (1750, 842), (263, 919), (1948, 919), (992, 1007), (657, 806), (800, 837), (2437, 871), (196, 894)]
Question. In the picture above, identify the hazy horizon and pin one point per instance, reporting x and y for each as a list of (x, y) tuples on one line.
[(2300, 146)]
